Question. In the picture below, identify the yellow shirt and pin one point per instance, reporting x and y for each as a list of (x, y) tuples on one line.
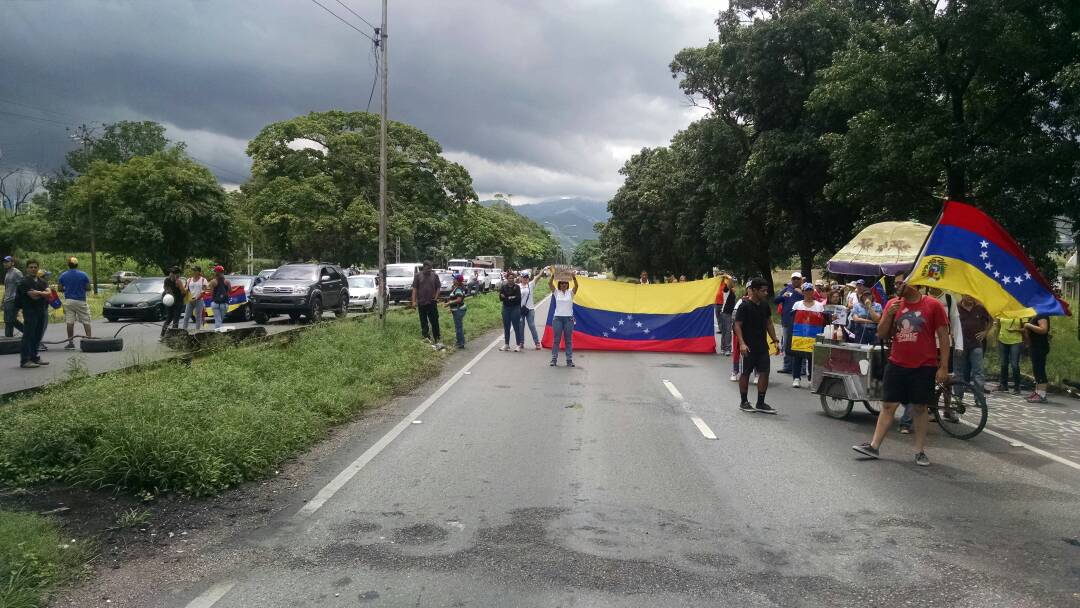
[(1010, 331)]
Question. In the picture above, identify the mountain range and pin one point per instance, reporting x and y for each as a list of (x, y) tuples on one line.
[(569, 220)]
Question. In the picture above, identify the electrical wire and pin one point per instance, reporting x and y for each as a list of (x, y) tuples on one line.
[(339, 18), (375, 79), (38, 109), (357, 15), (37, 118)]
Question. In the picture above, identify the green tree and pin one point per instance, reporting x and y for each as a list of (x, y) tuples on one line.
[(589, 255), (160, 209), (315, 187), (30, 231)]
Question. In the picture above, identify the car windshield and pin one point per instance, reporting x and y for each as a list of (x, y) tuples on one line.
[(268, 273), (399, 271), (295, 273), (361, 282), (145, 286)]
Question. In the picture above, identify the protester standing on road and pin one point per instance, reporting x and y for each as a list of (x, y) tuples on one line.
[(196, 285), (809, 320), (510, 296), (562, 323), (725, 306), (1010, 338), (787, 298), (528, 306), (219, 296), (919, 329), (644, 279), (12, 277), (456, 304), (33, 293), (736, 356), (74, 284), (975, 323), (174, 286), (752, 325), (1038, 333), (425, 297)]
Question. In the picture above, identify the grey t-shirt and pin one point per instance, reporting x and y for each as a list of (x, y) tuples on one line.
[(427, 287), (11, 283)]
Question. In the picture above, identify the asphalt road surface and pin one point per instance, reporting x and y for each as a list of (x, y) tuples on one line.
[(518, 484)]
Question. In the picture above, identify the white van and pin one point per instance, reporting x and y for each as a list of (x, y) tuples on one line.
[(399, 279), (459, 265)]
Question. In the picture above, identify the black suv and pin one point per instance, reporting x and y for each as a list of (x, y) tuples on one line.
[(301, 289)]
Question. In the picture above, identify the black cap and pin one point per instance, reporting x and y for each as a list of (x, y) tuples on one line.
[(758, 283)]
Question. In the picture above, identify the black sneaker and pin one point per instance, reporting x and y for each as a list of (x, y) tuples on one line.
[(554, 364), (570, 364), (922, 460), (69, 346), (746, 407), (866, 450), (764, 408)]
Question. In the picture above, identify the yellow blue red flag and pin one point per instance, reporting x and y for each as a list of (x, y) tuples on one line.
[(969, 253), (672, 317)]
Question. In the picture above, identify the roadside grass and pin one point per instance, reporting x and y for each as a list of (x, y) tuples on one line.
[(1063, 362), (228, 417), (35, 557)]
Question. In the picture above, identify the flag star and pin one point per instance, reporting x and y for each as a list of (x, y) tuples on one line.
[(605, 334), (1027, 275), (1006, 280), (621, 322), (628, 317), (639, 323), (996, 274), (984, 244), (1018, 280), (989, 266), (984, 255), (646, 330), (614, 330)]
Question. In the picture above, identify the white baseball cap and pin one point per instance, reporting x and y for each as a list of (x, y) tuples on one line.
[(796, 275)]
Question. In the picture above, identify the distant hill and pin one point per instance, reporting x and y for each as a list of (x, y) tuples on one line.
[(570, 220)]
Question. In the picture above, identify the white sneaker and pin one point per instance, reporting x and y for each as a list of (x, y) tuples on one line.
[(755, 379), (504, 348), (794, 384), (734, 377), (517, 349)]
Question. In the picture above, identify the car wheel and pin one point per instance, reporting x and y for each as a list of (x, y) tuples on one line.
[(343, 306), (315, 311), (245, 313), (261, 318), (159, 312), (101, 345)]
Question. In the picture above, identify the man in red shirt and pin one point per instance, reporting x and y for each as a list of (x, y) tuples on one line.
[(917, 325)]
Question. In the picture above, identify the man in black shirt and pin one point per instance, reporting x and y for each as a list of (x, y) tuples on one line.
[(752, 325), (425, 297), (34, 301)]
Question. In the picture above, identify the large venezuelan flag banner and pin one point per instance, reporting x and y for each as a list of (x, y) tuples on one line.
[(969, 253), (672, 317)]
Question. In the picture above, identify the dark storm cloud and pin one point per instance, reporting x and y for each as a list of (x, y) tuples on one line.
[(539, 98)]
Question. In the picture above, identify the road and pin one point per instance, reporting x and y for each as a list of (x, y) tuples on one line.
[(140, 346), (519, 484)]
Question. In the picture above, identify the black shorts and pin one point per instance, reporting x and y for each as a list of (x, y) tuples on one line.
[(755, 362), (909, 385)]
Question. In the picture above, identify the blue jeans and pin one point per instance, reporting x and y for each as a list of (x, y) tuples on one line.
[(1010, 358), (195, 306), (563, 327), (219, 308), (969, 367), (459, 325), (801, 361), (528, 317), (512, 318)]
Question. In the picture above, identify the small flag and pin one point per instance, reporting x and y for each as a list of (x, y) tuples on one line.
[(878, 292)]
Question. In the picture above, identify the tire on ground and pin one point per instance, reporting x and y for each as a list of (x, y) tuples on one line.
[(10, 346), (101, 345)]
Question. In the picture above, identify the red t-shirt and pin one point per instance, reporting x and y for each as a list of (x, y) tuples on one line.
[(915, 326)]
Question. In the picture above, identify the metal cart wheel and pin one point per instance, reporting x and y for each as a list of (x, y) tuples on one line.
[(836, 407)]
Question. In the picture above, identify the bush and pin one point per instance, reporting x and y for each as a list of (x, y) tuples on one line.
[(34, 557)]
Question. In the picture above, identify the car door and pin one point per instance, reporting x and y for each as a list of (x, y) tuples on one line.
[(333, 286)]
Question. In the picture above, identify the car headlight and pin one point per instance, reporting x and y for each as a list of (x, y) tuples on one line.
[(299, 291), (108, 303), (258, 289), (143, 304)]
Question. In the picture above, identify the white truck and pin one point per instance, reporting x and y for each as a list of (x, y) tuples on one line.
[(399, 278)]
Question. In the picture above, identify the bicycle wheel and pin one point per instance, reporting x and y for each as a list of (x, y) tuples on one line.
[(969, 415)]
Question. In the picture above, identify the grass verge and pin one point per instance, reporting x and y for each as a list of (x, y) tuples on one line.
[(1063, 362), (34, 557), (226, 418)]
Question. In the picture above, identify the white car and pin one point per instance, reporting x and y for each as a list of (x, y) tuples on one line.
[(362, 292), (399, 279), (496, 275)]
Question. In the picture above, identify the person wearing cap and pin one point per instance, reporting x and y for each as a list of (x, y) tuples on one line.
[(787, 298), (820, 292), (175, 287), (753, 326), (219, 296), (456, 303), (809, 321), (855, 295), (74, 284), (12, 277), (196, 285), (34, 301)]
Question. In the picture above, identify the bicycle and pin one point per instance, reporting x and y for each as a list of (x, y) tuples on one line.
[(970, 418)]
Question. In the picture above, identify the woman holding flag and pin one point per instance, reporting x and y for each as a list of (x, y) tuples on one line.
[(562, 323)]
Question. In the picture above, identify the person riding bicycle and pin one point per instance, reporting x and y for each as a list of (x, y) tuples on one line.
[(918, 360)]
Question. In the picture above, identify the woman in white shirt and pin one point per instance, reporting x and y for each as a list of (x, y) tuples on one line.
[(196, 285), (562, 324), (528, 306)]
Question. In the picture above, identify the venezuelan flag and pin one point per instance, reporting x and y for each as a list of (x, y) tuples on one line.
[(237, 297), (878, 292), (807, 324), (969, 253), (673, 317)]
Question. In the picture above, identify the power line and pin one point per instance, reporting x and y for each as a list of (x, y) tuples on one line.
[(375, 79), (39, 109), (357, 15), (37, 118), (339, 18)]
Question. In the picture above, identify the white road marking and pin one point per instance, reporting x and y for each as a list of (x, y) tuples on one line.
[(704, 428), (1016, 443), (674, 391), (212, 595), (350, 471), (698, 422)]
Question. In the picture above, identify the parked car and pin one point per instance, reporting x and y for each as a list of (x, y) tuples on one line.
[(123, 277), (399, 278), (239, 297), (301, 289), (496, 275), (139, 299), (266, 274), (446, 282), (362, 292)]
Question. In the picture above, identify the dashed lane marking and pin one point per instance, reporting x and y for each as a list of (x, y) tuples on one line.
[(698, 422), (212, 595)]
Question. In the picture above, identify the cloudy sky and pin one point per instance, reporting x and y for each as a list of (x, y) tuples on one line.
[(537, 98)]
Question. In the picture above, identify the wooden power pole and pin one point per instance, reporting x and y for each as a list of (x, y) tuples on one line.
[(382, 167)]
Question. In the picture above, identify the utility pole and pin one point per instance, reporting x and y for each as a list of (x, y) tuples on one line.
[(83, 137), (397, 251), (382, 166)]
